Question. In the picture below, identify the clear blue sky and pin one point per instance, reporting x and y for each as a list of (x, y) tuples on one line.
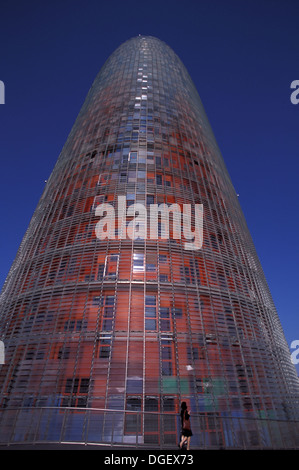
[(242, 56)]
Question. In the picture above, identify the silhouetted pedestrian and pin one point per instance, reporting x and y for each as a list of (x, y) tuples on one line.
[(186, 426)]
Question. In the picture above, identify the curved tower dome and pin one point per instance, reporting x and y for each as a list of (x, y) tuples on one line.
[(107, 328)]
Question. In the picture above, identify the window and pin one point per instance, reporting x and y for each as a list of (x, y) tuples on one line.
[(151, 420), (74, 325), (214, 241), (133, 420), (168, 404), (151, 262), (64, 353), (133, 157), (103, 179), (150, 312), (108, 313), (164, 319), (192, 353), (98, 200), (104, 347), (111, 267), (71, 385), (138, 262), (134, 384), (123, 177), (188, 273), (110, 300), (132, 176), (30, 354), (150, 267), (141, 174), (130, 199), (84, 385), (97, 300), (166, 357), (150, 299), (150, 159), (77, 389), (150, 199), (177, 312), (124, 159), (108, 267), (101, 268)]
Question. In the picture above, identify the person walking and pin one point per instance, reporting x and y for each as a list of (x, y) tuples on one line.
[(186, 426)]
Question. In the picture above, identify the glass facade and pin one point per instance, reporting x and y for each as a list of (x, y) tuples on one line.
[(105, 337)]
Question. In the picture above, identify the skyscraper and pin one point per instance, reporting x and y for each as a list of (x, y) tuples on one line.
[(106, 335)]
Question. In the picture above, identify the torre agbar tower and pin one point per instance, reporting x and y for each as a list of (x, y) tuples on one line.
[(106, 336)]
